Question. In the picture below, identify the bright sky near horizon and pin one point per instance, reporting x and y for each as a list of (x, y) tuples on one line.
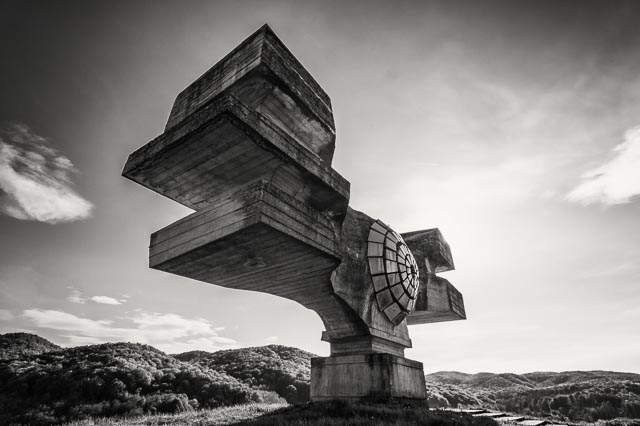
[(514, 127)]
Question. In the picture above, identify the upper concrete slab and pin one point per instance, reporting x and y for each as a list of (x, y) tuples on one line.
[(225, 145), (265, 75)]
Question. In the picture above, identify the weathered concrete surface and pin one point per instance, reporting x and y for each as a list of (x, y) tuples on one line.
[(249, 146), (263, 74), (438, 301), (431, 246), (225, 145), (366, 376), (354, 268), (259, 238)]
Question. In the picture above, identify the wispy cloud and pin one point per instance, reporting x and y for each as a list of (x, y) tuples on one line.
[(76, 296), (617, 180), (271, 339), (35, 179), (106, 300), (169, 332)]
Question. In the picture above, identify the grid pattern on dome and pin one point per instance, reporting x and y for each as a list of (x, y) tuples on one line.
[(394, 272)]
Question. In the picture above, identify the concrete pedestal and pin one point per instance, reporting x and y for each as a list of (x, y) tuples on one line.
[(366, 376)]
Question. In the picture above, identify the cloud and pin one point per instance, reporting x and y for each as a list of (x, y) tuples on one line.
[(168, 332), (271, 339), (617, 180), (106, 300), (35, 179), (76, 296)]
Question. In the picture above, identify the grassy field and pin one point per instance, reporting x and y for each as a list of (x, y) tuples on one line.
[(219, 416), (312, 414)]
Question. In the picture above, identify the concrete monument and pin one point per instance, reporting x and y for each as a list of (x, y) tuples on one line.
[(248, 146)]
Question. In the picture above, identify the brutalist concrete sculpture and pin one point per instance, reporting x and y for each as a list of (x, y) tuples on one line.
[(248, 146)]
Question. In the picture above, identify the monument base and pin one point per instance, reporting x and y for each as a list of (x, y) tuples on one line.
[(366, 376)]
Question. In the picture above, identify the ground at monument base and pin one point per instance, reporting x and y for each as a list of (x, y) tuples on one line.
[(311, 414), (372, 376)]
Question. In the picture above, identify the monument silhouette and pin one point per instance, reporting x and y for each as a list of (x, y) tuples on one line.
[(248, 146)]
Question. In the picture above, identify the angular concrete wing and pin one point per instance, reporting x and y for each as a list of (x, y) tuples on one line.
[(225, 145), (259, 238), (438, 300)]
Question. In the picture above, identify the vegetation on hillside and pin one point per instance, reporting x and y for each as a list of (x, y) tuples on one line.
[(17, 345), (575, 395), (111, 379), (41, 383), (275, 368)]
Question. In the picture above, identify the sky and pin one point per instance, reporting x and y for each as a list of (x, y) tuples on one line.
[(512, 126)]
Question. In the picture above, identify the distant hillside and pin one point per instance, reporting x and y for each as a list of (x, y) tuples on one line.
[(110, 379), (571, 395), (41, 383), (15, 345), (276, 368)]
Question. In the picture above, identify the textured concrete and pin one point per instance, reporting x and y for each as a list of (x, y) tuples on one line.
[(225, 145), (263, 74), (431, 246), (438, 301), (248, 146), (366, 376)]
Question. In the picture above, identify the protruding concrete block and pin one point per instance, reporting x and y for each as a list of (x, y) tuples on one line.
[(264, 75), (376, 376), (225, 145), (432, 250), (438, 300)]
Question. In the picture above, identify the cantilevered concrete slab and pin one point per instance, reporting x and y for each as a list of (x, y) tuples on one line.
[(224, 145)]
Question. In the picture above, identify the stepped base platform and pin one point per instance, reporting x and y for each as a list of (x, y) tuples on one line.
[(374, 376)]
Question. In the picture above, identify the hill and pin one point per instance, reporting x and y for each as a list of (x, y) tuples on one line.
[(570, 395), (109, 379), (275, 368), (16, 345), (42, 383)]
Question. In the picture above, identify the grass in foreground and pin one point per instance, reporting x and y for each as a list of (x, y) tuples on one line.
[(217, 416), (313, 414)]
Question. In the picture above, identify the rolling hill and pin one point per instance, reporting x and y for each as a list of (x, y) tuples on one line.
[(275, 368), (42, 383), (65, 384), (16, 345), (570, 395)]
